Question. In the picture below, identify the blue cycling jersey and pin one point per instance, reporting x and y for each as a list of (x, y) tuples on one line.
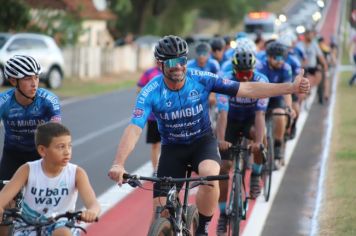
[(211, 65), (294, 63), (242, 109), (182, 115), (281, 75), (20, 122)]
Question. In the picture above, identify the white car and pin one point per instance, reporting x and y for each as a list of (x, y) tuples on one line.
[(42, 47)]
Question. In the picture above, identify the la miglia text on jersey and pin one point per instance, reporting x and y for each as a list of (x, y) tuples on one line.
[(20, 122), (182, 115)]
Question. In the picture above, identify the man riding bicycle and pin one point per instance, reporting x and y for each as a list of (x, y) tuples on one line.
[(277, 71), (240, 115), (179, 101)]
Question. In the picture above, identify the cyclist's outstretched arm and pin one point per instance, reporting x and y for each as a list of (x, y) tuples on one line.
[(264, 90), (87, 194), (127, 144), (13, 187)]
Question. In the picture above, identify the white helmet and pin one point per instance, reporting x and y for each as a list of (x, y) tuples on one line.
[(246, 43), (20, 66)]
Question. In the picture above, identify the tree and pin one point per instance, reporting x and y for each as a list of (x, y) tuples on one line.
[(14, 16), (175, 16)]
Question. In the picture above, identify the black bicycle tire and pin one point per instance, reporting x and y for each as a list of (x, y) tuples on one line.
[(161, 226), (267, 170), (236, 217), (192, 217)]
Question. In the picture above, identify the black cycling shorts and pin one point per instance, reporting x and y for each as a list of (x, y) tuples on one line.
[(175, 158), (276, 103), (234, 129), (311, 70), (12, 159), (295, 97), (153, 135)]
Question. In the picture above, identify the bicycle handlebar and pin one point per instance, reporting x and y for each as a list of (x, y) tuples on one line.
[(71, 216), (175, 180)]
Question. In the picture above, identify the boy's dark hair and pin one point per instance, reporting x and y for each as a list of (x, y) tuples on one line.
[(47, 131)]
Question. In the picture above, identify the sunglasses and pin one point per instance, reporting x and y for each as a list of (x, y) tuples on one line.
[(170, 63), (244, 74), (279, 58)]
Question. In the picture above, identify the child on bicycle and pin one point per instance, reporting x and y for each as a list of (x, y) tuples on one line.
[(51, 184)]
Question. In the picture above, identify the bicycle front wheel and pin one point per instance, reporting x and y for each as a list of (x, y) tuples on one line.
[(267, 170), (235, 217), (161, 227), (192, 219)]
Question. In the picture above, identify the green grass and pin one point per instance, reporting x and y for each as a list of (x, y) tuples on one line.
[(75, 88), (72, 87), (338, 215)]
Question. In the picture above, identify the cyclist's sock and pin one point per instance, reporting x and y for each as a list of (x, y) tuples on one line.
[(277, 149), (222, 207), (203, 226), (256, 169)]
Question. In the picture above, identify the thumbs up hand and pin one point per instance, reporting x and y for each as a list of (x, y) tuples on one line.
[(301, 84)]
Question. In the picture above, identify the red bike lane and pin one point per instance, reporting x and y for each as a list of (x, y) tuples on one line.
[(132, 215)]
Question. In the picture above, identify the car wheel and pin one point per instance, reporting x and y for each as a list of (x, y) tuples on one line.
[(54, 78)]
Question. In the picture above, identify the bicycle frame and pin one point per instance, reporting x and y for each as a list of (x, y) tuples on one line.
[(177, 211), (237, 206)]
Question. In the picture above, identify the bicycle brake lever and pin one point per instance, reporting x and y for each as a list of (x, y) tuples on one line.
[(134, 183)]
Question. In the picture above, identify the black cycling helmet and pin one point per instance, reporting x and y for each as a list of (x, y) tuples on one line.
[(217, 43), (170, 47), (243, 59), (202, 48), (276, 49), (20, 66)]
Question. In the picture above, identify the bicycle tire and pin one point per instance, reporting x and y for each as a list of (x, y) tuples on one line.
[(267, 170), (234, 222), (192, 219), (161, 227)]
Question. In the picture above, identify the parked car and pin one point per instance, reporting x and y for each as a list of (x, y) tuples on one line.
[(42, 47)]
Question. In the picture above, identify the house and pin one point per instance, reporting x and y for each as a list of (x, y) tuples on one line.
[(92, 13)]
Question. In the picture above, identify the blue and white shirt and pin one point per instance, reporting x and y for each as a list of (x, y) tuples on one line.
[(182, 115), (242, 109), (20, 122)]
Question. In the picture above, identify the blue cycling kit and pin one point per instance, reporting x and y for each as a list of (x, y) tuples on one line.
[(211, 65), (293, 61), (242, 109), (182, 115), (20, 122), (281, 75)]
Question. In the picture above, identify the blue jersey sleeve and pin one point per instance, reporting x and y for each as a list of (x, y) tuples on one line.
[(143, 105)]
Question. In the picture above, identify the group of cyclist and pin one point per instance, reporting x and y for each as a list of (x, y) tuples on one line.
[(179, 100), (175, 97), (275, 61)]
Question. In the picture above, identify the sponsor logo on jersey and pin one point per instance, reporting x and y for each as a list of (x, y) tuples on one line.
[(146, 91), (168, 103), (137, 113), (183, 113), (204, 73), (56, 118), (194, 95)]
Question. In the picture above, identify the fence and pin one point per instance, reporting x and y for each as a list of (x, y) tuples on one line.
[(87, 63)]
